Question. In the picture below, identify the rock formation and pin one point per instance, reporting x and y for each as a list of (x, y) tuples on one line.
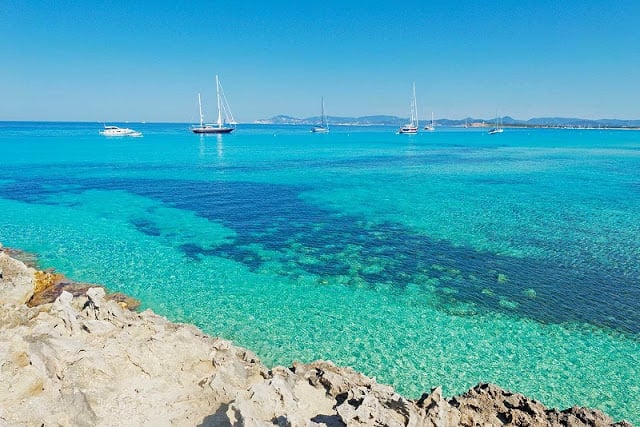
[(86, 360)]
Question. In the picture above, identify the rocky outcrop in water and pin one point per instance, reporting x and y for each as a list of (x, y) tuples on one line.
[(85, 360)]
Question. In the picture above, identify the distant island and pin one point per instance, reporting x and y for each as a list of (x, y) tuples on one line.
[(506, 121)]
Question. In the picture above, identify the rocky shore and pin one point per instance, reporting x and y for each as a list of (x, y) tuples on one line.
[(71, 355)]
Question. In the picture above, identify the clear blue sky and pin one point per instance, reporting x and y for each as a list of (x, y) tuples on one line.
[(147, 60)]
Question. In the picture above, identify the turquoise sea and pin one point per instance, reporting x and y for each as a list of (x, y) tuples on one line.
[(444, 258)]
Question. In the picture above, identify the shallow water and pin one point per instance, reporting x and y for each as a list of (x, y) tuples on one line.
[(448, 257)]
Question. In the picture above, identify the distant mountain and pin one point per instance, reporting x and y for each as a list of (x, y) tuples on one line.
[(380, 120), (385, 120), (283, 120), (335, 120), (561, 121)]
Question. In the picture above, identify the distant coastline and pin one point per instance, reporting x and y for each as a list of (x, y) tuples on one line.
[(392, 121), (469, 122)]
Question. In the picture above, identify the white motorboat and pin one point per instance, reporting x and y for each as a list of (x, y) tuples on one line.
[(118, 131)]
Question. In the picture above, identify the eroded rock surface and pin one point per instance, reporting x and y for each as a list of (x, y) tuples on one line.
[(85, 360)]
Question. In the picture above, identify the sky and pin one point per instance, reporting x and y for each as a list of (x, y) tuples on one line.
[(148, 60)]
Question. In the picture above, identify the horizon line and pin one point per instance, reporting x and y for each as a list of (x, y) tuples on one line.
[(262, 121)]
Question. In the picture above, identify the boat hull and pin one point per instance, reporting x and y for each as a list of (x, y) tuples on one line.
[(212, 130), (319, 130), (408, 130)]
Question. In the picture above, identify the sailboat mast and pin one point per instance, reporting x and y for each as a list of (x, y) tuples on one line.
[(200, 107), (323, 118), (219, 106), (415, 106)]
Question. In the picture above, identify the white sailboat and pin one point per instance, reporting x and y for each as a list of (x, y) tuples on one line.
[(324, 125), (412, 126), (226, 125), (497, 128), (432, 126)]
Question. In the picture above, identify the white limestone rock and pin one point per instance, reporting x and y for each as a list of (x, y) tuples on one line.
[(16, 283)]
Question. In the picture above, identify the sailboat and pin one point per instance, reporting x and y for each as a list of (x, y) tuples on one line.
[(221, 126), (432, 126), (324, 125), (412, 126), (496, 129)]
